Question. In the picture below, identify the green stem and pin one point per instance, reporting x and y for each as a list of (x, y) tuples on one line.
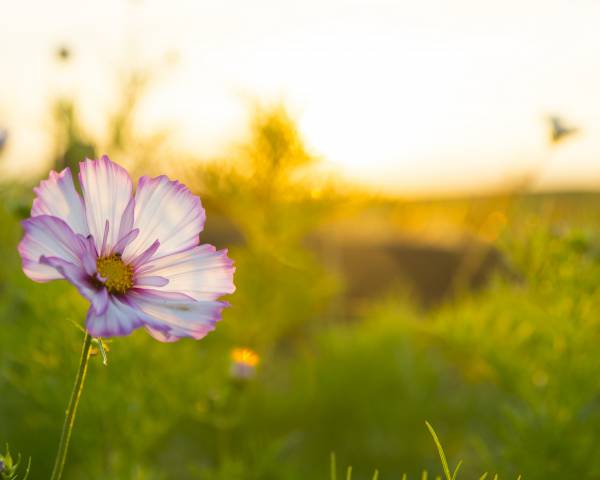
[(65, 437)]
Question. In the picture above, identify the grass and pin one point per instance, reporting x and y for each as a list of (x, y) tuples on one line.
[(424, 474)]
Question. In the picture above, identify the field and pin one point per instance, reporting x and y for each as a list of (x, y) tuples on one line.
[(369, 316)]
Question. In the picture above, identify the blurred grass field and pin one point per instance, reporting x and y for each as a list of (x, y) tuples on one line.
[(370, 315)]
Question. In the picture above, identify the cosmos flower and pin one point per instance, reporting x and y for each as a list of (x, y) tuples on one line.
[(135, 256)]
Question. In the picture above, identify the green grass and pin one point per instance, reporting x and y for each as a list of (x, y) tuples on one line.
[(424, 474)]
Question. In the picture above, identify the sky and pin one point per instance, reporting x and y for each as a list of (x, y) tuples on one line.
[(407, 97)]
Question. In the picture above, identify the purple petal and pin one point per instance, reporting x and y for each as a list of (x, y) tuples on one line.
[(125, 240), (50, 237), (127, 219), (89, 255), (174, 316), (119, 319), (57, 197), (199, 272), (165, 210), (145, 255), (97, 295), (103, 248), (107, 192)]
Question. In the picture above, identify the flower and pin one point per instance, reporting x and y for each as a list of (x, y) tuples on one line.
[(243, 363), (135, 256)]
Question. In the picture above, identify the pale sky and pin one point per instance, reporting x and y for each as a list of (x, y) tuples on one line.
[(426, 95)]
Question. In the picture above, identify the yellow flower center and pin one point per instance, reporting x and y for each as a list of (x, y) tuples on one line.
[(118, 275)]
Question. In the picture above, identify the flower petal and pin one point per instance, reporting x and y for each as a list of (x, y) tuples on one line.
[(124, 241), (149, 281), (174, 316), (106, 192), (75, 274), (143, 257), (48, 236), (127, 219), (120, 318), (57, 197), (89, 256), (200, 272), (167, 211)]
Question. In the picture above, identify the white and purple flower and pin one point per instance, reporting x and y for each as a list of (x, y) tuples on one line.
[(135, 256)]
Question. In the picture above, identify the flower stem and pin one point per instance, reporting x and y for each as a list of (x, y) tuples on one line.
[(65, 437)]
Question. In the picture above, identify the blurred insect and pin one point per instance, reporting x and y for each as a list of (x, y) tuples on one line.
[(3, 138), (63, 53), (558, 130)]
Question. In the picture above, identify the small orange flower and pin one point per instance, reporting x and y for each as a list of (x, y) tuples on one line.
[(243, 363), (246, 356)]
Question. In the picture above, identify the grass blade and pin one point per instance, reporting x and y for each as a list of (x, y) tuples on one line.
[(458, 465), (440, 451)]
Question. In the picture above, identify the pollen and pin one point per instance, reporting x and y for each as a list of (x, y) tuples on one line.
[(118, 276)]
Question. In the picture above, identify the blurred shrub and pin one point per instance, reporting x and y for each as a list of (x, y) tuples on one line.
[(264, 190), (72, 145)]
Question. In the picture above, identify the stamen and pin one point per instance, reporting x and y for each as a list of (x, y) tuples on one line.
[(118, 275)]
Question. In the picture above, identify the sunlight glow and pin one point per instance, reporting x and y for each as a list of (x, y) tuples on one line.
[(405, 96)]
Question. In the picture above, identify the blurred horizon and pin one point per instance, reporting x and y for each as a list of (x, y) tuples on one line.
[(405, 98)]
